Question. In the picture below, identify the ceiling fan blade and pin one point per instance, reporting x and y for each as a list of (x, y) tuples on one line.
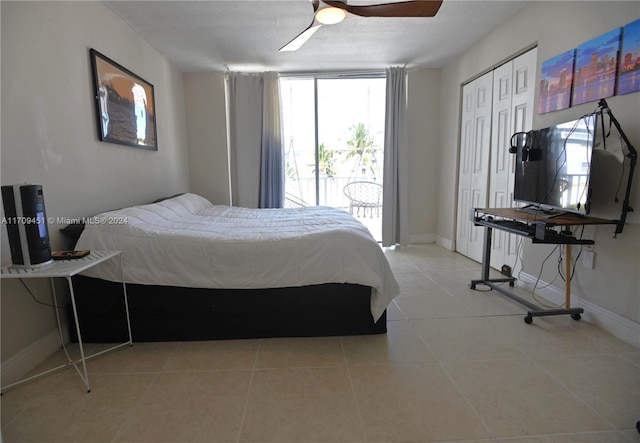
[(305, 35), (417, 8), (301, 39)]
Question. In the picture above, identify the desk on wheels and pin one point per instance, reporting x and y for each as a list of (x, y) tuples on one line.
[(540, 229), (67, 269)]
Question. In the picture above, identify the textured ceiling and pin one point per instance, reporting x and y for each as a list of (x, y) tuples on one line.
[(246, 34)]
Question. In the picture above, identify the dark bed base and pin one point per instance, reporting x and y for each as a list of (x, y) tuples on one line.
[(162, 313)]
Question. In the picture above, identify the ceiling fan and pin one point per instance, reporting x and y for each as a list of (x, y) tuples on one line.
[(334, 11)]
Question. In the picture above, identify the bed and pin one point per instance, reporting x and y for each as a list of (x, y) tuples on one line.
[(198, 271)]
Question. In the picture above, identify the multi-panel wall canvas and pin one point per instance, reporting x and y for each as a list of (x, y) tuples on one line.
[(629, 80), (556, 78), (596, 68)]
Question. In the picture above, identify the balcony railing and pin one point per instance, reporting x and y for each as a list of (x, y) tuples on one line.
[(302, 192)]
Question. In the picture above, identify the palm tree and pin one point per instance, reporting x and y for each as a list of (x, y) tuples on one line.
[(326, 161), (361, 146)]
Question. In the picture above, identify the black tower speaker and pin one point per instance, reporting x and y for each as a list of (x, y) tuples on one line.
[(26, 222)]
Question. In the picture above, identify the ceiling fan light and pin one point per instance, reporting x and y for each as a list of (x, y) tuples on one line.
[(330, 15)]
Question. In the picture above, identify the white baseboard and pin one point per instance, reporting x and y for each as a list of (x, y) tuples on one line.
[(422, 239), (617, 325), (445, 243), (16, 367)]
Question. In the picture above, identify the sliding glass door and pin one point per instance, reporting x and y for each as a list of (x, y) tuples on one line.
[(334, 138)]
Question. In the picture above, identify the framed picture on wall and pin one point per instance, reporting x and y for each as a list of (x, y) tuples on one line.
[(556, 79), (596, 68), (629, 80), (125, 104)]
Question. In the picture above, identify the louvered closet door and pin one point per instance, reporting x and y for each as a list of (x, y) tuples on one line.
[(513, 96), (475, 143)]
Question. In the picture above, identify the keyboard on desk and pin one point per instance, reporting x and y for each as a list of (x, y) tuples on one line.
[(515, 226)]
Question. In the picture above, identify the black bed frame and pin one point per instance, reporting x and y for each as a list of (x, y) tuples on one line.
[(163, 313)]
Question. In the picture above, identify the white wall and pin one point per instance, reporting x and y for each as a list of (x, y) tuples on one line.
[(556, 27), (207, 135), (49, 133), (423, 126)]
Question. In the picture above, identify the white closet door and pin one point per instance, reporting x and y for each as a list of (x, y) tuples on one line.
[(522, 109), (500, 136), (464, 175), (475, 143), (494, 107), (513, 96)]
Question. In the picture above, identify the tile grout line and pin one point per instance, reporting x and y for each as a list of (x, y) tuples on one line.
[(246, 401), (457, 388), (353, 390), (58, 378), (575, 394), (134, 407), (122, 427), (489, 429)]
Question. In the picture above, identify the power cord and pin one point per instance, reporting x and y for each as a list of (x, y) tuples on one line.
[(533, 290), (35, 299), (575, 260)]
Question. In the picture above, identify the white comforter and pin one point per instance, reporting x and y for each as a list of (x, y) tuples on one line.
[(186, 241)]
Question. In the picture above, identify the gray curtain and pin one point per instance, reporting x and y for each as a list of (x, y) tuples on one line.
[(256, 159), (244, 93), (272, 160), (396, 162)]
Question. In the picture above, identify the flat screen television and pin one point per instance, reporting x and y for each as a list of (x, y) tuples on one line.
[(553, 167)]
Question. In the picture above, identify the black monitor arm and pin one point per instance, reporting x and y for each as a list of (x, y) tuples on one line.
[(632, 155)]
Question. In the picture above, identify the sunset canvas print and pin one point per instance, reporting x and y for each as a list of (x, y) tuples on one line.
[(124, 103)]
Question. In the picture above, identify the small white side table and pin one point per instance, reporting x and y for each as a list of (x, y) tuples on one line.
[(67, 269)]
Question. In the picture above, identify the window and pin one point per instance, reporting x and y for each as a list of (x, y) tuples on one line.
[(334, 137)]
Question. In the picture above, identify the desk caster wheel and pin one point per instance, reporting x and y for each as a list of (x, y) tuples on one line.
[(528, 319), (511, 284), (576, 317)]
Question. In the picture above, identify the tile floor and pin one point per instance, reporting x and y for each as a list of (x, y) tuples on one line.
[(456, 365)]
